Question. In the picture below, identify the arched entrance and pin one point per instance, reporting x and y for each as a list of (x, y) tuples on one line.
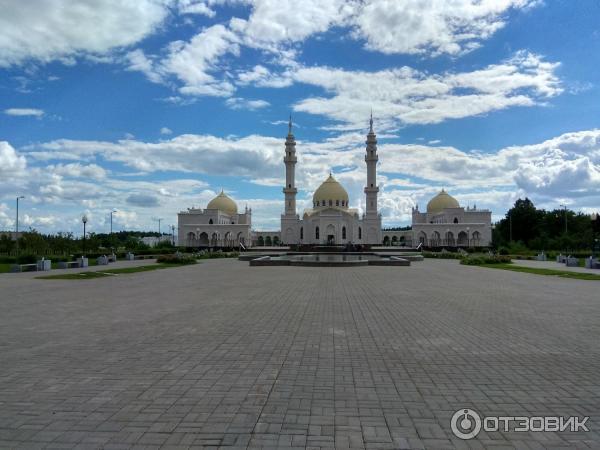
[(463, 239), (386, 240), (203, 240), (191, 239), (330, 235), (261, 241)]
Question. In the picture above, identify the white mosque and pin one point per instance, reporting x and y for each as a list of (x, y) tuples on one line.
[(331, 221)]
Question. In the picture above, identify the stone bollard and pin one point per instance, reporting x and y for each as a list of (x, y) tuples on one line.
[(44, 265), (102, 260), (591, 263), (572, 261), (83, 262), (129, 256), (541, 257)]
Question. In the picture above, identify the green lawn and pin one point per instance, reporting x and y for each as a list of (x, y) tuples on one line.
[(551, 272), (5, 268), (107, 272)]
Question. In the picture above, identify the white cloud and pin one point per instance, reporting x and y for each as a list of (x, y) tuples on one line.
[(409, 96), (195, 7), (192, 63), (435, 26), (285, 21), (165, 130), (242, 103), (76, 170), (43, 31), (11, 163), (24, 112)]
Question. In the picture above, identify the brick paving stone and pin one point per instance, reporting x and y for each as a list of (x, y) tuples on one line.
[(223, 355)]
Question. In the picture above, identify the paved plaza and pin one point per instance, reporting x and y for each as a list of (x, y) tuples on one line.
[(221, 354)]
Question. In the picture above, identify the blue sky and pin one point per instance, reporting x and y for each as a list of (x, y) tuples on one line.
[(153, 106)]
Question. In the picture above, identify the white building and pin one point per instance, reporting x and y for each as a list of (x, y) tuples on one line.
[(331, 221), (447, 224), (153, 241), (219, 225)]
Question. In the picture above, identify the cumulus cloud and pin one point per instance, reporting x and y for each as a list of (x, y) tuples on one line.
[(43, 31), (242, 103), (193, 63), (11, 163), (434, 27), (409, 96), (24, 112), (165, 130)]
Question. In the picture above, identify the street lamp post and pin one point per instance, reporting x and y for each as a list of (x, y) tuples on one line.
[(84, 219), (173, 234), (510, 227), (111, 215), (17, 225)]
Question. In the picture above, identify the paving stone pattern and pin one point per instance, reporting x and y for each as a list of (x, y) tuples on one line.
[(226, 355)]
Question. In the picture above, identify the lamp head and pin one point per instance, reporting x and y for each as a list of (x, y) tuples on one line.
[(84, 219)]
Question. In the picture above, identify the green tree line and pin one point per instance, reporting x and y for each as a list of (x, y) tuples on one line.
[(33, 242), (539, 229)]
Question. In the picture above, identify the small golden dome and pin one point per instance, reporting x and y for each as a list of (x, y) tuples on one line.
[(224, 204), (332, 193), (440, 202)]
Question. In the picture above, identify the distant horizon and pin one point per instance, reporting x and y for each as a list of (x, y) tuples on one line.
[(151, 107)]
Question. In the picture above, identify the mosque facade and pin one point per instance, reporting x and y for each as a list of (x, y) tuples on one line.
[(331, 220)]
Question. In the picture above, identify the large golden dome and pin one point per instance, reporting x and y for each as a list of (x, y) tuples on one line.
[(440, 202), (332, 193), (223, 203)]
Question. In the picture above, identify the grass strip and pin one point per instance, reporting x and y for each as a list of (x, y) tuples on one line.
[(108, 273), (540, 271)]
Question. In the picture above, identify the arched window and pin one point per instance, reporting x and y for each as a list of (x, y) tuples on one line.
[(359, 232), (210, 221), (301, 233), (323, 203), (317, 233), (330, 202), (289, 185), (337, 203), (343, 232), (455, 220)]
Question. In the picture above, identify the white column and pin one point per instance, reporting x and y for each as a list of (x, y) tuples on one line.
[(371, 159), (290, 173)]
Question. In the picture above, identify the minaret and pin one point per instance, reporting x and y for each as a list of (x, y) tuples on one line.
[(290, 172), (371, 159)]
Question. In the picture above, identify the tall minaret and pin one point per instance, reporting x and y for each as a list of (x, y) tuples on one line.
[(371, 159), (290, 172)]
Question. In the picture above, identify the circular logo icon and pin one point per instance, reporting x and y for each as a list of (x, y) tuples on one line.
[(466, 424)]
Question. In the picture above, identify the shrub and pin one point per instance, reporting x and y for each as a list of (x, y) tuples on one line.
[(175, 259), (503, 251), (27, 259), (485, 259), (218, 254), (442, 255)]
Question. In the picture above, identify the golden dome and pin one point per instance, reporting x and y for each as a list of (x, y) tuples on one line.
[(332, 193), (440, 202), (223, 203)]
